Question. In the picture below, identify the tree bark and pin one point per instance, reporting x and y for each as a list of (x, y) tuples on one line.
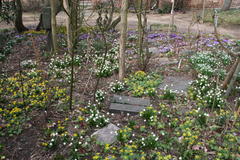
[(226, 5), (230, 74), (53, 25), (171, 25), (233, 80), (123, 39), (203, 10), (18, 19)]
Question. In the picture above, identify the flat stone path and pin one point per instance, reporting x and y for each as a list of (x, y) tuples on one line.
[(179, 84), (128, 104)]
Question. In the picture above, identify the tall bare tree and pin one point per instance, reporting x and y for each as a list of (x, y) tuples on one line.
[(123, 39), (226, 5), (18, 17), (54, 25)]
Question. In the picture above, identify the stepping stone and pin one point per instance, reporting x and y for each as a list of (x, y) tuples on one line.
[(179, 84), (166, 61), (128, 104), (107, 134), (154, 50)]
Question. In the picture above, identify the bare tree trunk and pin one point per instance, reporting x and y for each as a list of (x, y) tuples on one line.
[(203, 10), (0, 6), (226, 5), (123, 39), (171, 24), (18, 19), (233, 80), (68, 26), (53, 25), (230, 74)]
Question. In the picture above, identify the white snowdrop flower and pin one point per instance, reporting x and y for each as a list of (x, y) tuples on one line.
[(133, 134), (64, 143), (130, 141), (75, 127), (50, 144), (76, 150), (70, 144), (112, 114)]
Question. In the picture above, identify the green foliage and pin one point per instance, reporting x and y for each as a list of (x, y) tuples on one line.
[(34, 32), (142, 84), (149, 115), (210, 63), (150, 142), (106, 64), (95, 118), (116, 86), (225, 17), (124, 134), (18, 99), (100, 96), (7, 49), (7, 13), (168, 94), (60, 66), (166, 8), (206, 93)]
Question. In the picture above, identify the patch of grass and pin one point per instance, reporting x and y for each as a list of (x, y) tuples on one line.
[(225, 17)]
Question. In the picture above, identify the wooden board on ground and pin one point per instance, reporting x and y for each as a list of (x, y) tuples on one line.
[(128, 104)]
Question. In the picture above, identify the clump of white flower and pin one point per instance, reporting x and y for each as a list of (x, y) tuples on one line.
[(60, 66), (100, 96), (28, 64), (116, 86)]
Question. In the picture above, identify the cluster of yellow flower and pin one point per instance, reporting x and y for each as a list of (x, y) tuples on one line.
[(22, 93)]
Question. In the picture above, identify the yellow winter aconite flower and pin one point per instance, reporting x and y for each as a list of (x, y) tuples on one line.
[(15, 110), (140, 74), (75, 135), (107, 146), (96, 156), (80, 118)]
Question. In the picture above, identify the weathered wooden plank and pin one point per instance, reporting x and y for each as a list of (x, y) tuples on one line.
[(116, 107), (130, 100)]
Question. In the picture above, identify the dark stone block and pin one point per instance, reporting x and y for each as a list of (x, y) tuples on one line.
[(126, 108), (130, 100)]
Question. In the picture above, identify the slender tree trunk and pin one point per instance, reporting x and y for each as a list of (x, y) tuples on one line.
[(123, 39), (171, 25), (233, 80), (18, 19), (230, 74), (0, 6), (203, 10), (226, 5), (68, 26), (53, 25)]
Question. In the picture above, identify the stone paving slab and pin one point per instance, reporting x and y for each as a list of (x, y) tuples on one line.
[(125, 108), (130, 100), (179, 84), (128, 104)]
